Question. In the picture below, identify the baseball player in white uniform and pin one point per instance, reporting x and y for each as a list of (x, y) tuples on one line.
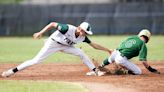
[(63, 39)]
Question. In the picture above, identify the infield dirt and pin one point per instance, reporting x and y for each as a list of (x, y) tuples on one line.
[(76, 73)]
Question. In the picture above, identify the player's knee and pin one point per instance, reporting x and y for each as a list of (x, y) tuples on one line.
[(82, 56), (138, 72), (119, 62), (35, 61)]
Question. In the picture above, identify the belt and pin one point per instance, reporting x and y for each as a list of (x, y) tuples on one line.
[(56, 41), (121, 53)]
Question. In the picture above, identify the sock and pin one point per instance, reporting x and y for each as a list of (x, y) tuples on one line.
[(15, 70), (94, 69), (105, 62), (130, 72)]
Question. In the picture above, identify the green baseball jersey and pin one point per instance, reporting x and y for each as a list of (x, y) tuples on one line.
[(133, 46)]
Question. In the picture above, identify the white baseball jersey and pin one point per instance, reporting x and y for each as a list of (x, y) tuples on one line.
[(61, 40), (65, 35)]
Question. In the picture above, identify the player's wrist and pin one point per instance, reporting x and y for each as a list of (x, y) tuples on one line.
[(151, 69), (41, 32)]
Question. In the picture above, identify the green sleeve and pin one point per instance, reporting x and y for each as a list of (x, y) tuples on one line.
[(63, 28), (87, 40), (143, 53)]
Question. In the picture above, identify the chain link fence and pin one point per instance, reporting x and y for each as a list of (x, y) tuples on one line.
[(114, 18)]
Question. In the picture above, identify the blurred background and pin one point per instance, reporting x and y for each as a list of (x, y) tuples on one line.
[(107, 17)]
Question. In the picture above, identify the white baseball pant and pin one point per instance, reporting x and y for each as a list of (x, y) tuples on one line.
[(123, 61), (51, 47)]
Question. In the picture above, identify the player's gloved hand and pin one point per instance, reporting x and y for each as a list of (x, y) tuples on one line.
[(153, 70), (102, 68)]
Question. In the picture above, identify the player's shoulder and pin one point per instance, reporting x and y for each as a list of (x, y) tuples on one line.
[(71, 26), (134, 36), (138, 40)]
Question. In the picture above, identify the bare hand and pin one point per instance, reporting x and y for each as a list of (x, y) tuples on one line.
[(37, 35), (110, 51)]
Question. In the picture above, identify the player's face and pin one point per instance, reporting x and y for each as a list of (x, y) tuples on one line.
[(81, 32), (145, 39)]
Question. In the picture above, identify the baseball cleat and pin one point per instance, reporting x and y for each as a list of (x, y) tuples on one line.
[(91, 73), (7, 73), (95, 73)]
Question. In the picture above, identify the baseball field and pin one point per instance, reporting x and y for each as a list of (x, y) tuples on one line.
[(66, 73)]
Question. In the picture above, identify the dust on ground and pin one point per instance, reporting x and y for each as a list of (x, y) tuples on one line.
[(76, 73)]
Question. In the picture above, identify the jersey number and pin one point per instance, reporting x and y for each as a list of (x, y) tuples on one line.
[(68, 41), (130, 43)]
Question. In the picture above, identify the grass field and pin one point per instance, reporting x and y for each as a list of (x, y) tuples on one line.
[(19, 49), (40, 86), (9, 1)]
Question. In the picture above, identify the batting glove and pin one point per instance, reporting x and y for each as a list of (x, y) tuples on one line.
[(153, 70)]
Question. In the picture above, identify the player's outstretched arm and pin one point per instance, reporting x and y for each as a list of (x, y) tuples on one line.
[(147, 66), (99, 47), (45, 29)]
